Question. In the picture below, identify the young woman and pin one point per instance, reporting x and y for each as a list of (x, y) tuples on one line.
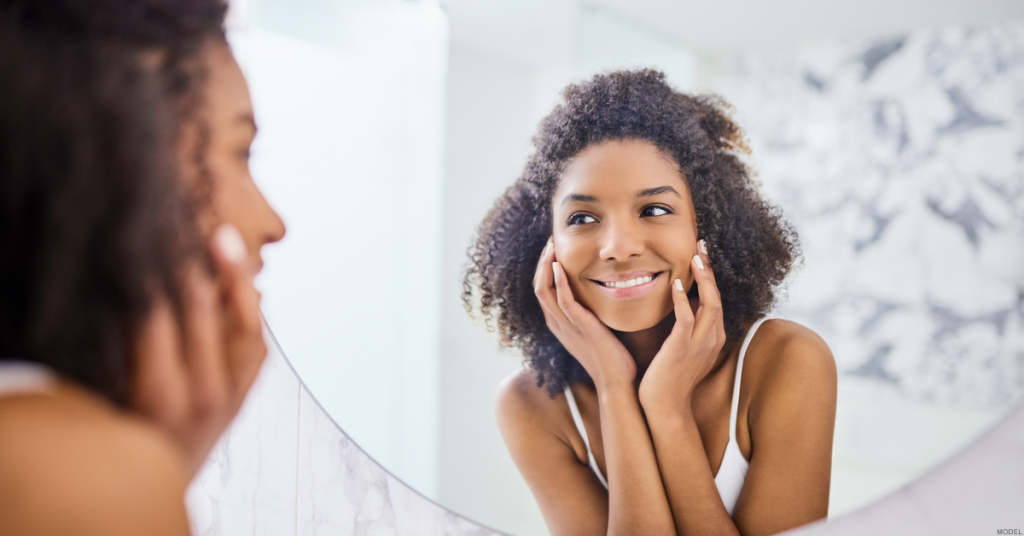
[(130, 236), (633, 263)]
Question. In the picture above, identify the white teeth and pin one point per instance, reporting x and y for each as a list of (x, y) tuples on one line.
[(630, 283)]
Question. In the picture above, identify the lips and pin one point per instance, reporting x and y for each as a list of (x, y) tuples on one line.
[(628, 285)]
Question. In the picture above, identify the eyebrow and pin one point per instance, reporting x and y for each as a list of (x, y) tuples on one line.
[(579, 197), (649, 192)]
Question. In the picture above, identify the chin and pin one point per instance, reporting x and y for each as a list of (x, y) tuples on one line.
[(632, 319)]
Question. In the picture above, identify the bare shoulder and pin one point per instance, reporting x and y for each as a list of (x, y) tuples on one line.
[(787, 357), (73, 464), (784, 347), (530, 419), (518, 398)]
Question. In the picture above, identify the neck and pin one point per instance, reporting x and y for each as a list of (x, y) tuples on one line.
[(643, 345)]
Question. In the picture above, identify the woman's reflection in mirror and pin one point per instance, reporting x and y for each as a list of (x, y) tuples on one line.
[(634, 263), (131, 234)]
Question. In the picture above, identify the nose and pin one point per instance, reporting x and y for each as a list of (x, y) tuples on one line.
[(622, 240), (275, 226)]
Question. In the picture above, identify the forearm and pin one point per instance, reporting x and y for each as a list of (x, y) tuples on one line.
[(637, 503), (690, 486)]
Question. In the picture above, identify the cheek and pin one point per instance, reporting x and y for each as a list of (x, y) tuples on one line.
[(679, 253), (573, 252)]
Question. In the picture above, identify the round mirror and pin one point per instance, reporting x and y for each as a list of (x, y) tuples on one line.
[(349, 98), (890, 137)]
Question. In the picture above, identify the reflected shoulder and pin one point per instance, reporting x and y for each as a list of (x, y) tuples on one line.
[(518, 392), (74, 464), (781, 343), (786, 358), (519, 399)]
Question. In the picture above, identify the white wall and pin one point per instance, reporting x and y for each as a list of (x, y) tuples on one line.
[(489, 124)]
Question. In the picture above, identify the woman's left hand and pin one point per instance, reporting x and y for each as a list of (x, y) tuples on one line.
[(691, 349), (193, 369)]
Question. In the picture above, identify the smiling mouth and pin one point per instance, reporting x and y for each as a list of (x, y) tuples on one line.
[(629, 283)]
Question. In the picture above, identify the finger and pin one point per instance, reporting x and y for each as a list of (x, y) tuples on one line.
[(681, 333), (702, 252), (544, 288), (574, 312), (544, 262), (242, 330), (160, 386), (202, 341), (681, 306), (709, 312)]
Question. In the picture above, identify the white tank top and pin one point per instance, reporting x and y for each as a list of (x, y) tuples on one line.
[(18, 377), (733, 471)]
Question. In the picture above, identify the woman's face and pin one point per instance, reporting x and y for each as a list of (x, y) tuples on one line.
[(227, 113), (624, 228)]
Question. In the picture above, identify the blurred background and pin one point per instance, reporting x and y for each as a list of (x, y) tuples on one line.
[(890, 132)]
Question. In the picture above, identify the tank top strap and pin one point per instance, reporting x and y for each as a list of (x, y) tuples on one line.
[(739, 376), (578, 419), (19, 377)]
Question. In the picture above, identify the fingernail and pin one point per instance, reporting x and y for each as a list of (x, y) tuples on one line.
[(703, 246), (554, 269), (700, 263), (679, 285), (230, 243)]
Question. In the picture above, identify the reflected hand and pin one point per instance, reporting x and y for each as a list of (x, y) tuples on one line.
[(692, 348), (192, 371), (579, 330)]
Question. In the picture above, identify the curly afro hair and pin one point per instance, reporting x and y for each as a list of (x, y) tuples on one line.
[(750, 245)]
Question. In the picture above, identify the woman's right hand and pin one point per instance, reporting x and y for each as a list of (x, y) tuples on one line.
[(579, 330)]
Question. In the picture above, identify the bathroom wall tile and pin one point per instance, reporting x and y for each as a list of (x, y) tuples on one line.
[(248, 485)]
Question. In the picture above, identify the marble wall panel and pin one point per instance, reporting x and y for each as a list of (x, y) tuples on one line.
[(248, 485), (285, 468), (900, 161), (341, 490)]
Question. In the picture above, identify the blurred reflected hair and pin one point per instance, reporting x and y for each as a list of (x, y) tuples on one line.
[(751, 247)]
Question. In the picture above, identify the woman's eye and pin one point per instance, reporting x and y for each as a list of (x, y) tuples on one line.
[(580, 219), (654, 210)]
